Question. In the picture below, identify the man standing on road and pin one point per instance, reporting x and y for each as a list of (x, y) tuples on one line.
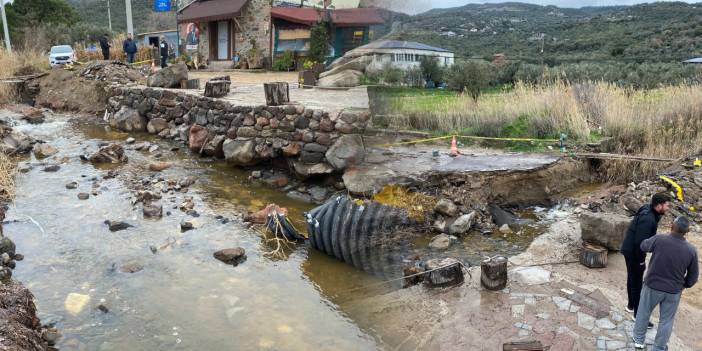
[(643, 226), (130, 48), (163, 49), (105, 46), (673, 267)]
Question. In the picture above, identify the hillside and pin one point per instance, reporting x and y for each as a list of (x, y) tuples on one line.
[(666, 31)]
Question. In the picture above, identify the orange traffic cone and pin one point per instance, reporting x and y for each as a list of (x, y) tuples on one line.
[(454, 147)]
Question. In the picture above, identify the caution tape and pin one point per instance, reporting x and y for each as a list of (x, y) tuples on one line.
[(468, 137), (678, 188)]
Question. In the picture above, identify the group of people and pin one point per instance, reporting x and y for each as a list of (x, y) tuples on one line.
[(129, 46), (673, 267)]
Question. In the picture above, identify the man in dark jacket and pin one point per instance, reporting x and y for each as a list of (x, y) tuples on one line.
[(643, 226), (673, 267), (163, 50), (105, 46), (130, 48)]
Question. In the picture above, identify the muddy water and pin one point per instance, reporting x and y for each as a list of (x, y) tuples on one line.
[(183, 298)]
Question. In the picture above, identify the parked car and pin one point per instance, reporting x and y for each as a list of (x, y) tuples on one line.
[(61, 54)]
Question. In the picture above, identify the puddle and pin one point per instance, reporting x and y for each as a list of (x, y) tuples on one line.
[(184, 298)]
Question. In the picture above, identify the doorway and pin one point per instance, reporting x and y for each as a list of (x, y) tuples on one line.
[(223, 40)]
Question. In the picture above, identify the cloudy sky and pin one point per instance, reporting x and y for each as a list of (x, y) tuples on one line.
[(414, 6)]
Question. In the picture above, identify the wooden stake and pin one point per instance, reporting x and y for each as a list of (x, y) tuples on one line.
[(493, 273)]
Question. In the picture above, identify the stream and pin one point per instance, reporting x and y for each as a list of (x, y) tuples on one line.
[(183, 298)]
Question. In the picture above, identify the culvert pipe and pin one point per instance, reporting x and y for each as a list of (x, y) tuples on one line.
[(354, 232)]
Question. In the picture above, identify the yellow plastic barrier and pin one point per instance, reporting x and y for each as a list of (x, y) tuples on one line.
[(678, 188)]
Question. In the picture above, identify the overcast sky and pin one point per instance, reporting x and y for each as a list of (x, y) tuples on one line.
[(416, 6)]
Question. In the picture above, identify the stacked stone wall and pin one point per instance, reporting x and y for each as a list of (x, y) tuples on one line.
[(243, 135)]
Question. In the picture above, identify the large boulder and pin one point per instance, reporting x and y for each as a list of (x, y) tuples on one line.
[(462, 224), (344, 79), (240, 152), (197, 137), (214, 147), (304, 170), (168, 77), (16, 142), (368, 181), (356, 64), (128, 120), (606, 229), (347, 151), (113, 153), (156, 125)]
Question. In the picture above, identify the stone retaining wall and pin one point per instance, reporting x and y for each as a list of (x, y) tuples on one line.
[(314, 141)]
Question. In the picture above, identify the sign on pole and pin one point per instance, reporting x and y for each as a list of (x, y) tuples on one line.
[(162, 5)]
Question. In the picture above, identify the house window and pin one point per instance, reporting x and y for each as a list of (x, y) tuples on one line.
[(357, 37)]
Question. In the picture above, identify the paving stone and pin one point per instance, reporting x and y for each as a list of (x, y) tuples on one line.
[(574, 308), (530, 300), (517, 311), (544, 316), (617, 317), (605, 323), (601, 344), (615, 345), (586, 321), (523, 333), (562, 303)]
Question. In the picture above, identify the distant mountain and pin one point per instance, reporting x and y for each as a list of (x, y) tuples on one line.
[(664, 31)]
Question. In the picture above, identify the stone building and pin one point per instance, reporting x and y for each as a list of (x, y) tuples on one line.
[(221, 30)]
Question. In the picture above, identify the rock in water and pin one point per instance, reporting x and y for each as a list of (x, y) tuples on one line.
[(240, 152), (72, 185), (159, 166), (153, 210), (197, 138), (75, 303), (83, 196), (131, 267), (15, 142), (7, 246), (186, 225), (169, 77), (52, 168), (233, 256), (446, 207), (115, 226), (462, 224), (347, 151), (128, 119), (43, 150), (442, 242), (113, 153)]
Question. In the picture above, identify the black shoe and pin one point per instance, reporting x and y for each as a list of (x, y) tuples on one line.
[(650, 325)]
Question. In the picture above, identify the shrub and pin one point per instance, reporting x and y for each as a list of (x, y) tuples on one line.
[(284, 62), (472, 77), (431, 70), (414, 77), (319, 42)]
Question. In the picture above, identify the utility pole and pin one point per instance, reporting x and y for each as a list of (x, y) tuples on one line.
[(4, 27), (128, 4), (109, 16)]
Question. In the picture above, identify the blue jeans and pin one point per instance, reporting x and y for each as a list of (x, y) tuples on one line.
[(130, 58), (650, 298)]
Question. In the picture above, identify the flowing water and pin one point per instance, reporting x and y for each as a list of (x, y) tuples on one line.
[(184, 299)]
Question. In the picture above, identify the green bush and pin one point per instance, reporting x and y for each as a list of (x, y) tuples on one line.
[(414, 77), (431, 70), (284, 62), (319, 42), (471, 77)]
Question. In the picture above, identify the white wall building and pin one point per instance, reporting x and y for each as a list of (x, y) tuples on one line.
[(402, 54)]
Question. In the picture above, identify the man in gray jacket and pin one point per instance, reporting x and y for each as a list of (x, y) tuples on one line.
[(673, 267)]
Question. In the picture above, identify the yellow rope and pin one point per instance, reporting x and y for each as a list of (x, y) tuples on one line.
[(678, 188)]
